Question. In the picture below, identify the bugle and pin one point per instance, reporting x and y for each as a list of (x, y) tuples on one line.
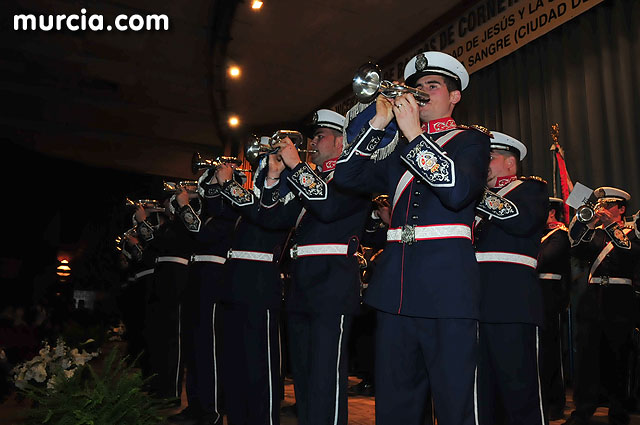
[(258, 148), (585, 213), (149, 205), (190, 186), (368, 82), (199, 163)]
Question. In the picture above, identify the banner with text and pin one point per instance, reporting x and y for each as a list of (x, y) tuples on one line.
[(489, 31)]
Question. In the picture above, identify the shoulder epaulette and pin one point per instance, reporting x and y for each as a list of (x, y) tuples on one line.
[(558, 225), (476, 127), (534, 178)]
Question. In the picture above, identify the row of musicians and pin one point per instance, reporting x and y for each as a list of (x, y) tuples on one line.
[(456, 291)]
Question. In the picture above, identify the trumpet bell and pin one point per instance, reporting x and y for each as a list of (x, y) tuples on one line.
[(295, 136), (149, 205), (255, 150), (190, 186), (585, 213), (366, 82), (198, 163)]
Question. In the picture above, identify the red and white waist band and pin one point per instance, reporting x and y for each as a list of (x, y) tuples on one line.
[(605, 280), (506, 257), (408, 234), (169, 259), (550, 276), (319, 249), (266, 257), (208, 259)]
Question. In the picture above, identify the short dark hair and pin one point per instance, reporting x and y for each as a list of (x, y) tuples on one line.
[(335, 132), (559, 209), (451, 83), (620, 203), (514, 155)]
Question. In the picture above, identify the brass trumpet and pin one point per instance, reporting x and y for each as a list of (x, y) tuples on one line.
[(199, 163), (368, 82), (131, 252), (149, 205), (585, 213), (121, 239), (257, 148), (190, 186)]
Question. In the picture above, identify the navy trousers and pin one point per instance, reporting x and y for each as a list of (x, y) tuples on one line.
[(416, 355), (509, 389), (252, 365), (206, 340), (318, 346), (164, 329)]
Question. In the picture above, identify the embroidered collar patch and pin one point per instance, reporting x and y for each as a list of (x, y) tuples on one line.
[(503, 181), (436, 126), (328, 165)]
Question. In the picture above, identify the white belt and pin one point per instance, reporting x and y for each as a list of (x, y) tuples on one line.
[(320, 249), (409, 234), (606, 280), (506, 257), (143, 273), (208, 259), (550, 276), (251, 255), (168, 259)]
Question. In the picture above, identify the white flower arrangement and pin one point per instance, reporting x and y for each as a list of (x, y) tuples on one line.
[(50, 365)]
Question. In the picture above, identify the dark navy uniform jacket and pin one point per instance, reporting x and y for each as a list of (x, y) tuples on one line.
[(554, 262), (255, 282), (211, 235), (613, 301), (173, 239), (434, 180), (321, 214), (507, 245)]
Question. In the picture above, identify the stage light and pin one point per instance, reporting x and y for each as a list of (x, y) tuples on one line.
[(234, 121), (63, 271), (256, 4), (234, 72)]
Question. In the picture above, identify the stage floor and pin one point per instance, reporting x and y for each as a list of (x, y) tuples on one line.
[(361, 409)]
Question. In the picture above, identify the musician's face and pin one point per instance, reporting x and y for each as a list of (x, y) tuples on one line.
[(500, 165), (441, 100), (616, 211), (327, 143)]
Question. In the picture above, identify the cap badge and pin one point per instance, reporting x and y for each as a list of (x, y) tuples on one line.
[(421, 62), (314, 119)]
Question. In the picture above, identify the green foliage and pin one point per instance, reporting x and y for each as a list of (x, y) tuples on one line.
[(89, 336), (106, 395)]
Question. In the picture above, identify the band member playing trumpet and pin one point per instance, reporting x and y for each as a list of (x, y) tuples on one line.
[(509, 228), (174, 246), (211, 231), (606, 311), (139, 243), (426, 285), (252, 305), (324, 292)]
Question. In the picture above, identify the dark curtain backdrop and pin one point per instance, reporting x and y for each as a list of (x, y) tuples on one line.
[(585, 76)]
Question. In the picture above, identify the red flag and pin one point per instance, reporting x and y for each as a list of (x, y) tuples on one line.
[(566, 185)]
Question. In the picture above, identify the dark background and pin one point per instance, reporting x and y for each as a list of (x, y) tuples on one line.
[(63, 209)]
